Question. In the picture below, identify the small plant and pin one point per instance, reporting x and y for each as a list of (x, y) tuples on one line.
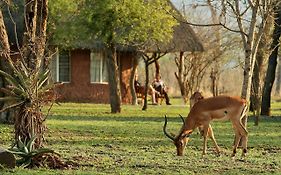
[(26, 152)]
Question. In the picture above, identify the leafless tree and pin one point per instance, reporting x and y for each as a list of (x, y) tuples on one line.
[(193, 67)]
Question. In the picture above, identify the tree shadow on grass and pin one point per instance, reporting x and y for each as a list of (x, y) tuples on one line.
[(115, 118), (273, 119)]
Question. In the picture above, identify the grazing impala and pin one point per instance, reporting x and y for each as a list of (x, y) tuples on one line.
[(206, 110)]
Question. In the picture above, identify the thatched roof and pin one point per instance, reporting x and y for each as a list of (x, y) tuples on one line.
[(184, 38)]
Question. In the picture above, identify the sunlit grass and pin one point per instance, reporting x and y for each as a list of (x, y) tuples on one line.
[(133, 142)]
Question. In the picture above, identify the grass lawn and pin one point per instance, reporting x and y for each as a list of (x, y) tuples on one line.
[(133, 142)]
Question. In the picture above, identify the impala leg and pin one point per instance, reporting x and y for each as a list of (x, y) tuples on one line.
[(244, 134), (211, 135), (205, 134), (240, 133), (236, 141)]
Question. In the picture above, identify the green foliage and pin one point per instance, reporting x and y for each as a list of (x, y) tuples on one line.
[(124, 22), (63, 26), (25, 150)]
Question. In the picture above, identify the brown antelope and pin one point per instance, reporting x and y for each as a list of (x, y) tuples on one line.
[(206, 110), (195, 97)]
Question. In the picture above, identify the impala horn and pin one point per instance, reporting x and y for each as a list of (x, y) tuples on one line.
[(165, 131), (181, 118)]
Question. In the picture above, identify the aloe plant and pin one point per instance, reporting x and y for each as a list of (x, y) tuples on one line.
[(26, 151), (27, 91)]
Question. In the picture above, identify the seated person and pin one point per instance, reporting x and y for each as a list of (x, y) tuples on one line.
[(140, 89), (159, 86)]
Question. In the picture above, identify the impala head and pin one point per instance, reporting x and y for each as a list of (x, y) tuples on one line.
[(195, 97), (180, 141)]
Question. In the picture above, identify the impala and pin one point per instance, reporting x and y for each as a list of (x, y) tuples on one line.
[(195, 97), (206, 110)]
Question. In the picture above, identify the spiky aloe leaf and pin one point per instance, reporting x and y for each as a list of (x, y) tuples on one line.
[(8, 77), (8, 98), (30, 143), (44, 89), (21, 73), (22, 79), (43, 79), (20, 92), (18, 153), (11, 80), (24, 162), (40, 151), (20, 144), (11, 106), (8, 92)]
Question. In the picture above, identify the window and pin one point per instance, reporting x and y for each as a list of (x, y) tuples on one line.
[(98, 68), (60, 66)]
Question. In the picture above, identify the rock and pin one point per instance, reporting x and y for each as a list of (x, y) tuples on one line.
[(7, 159)]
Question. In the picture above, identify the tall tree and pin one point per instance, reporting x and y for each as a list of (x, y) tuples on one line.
[(272, 63), (259, 69)]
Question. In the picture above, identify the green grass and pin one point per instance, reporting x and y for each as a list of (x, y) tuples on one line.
[(133, 142)]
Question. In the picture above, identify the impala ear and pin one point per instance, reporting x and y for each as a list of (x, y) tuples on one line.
[(186, 133)]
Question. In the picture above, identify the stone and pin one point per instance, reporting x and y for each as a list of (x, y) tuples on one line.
[(7, 159)]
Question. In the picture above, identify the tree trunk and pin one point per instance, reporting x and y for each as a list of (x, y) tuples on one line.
[(132, 81), (180, 77), (256, 91), (146, 85), (41, 32), (258, 74), (278, 79), (114, 83), (5, 55), (29, 39), (157, 66), (272, 62), (214, 82), (217, 51)]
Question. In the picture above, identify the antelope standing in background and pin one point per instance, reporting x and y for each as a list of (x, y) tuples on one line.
[(206, 110), (195, 97)]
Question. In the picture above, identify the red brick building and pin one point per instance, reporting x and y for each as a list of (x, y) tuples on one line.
[(83, 72), (83, 75)]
